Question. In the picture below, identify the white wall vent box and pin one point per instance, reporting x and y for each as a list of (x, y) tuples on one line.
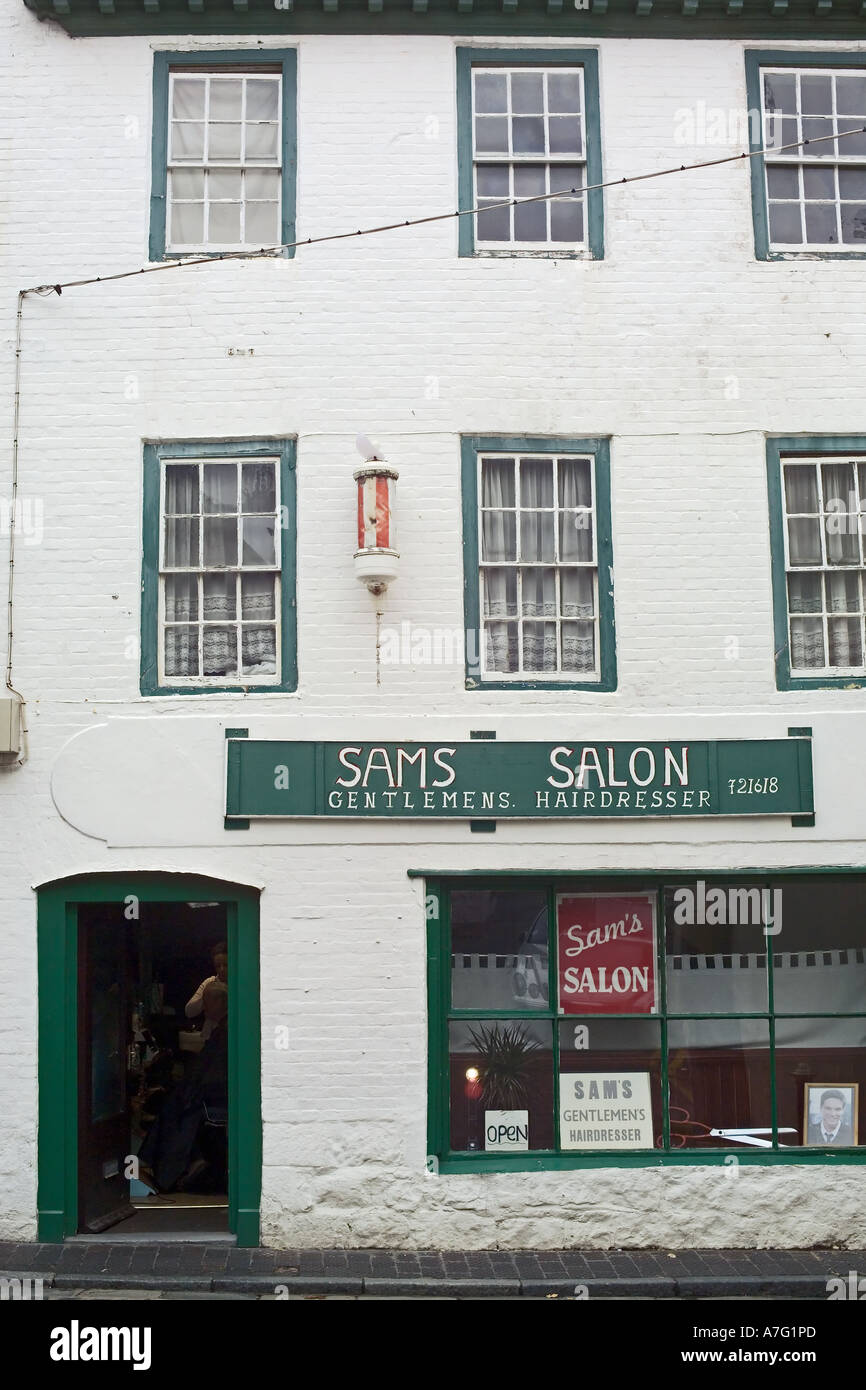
[(10, 725)]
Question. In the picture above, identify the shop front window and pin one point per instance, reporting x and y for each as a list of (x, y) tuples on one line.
[(663, 1018)]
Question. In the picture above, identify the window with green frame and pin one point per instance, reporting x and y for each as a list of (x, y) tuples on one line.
[(644, 1020), (528, 126), (538, 563), (224, 152), (817, 497), (218, 568)]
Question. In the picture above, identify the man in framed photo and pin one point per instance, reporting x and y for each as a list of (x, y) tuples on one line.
[(833, 1125)]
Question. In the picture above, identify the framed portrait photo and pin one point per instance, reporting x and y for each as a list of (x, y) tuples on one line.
[(830, 1114)]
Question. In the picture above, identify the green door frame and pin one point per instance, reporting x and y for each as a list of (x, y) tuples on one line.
[(57, 932)]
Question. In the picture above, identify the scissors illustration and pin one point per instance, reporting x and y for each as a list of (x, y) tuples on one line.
[(683, 1127)]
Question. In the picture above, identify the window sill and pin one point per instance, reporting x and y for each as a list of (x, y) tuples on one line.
[(545, 1161)]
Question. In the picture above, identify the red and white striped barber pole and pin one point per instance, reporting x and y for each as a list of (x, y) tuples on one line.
[(376, 560)]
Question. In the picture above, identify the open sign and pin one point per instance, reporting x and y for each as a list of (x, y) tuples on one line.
[(506, 1130)]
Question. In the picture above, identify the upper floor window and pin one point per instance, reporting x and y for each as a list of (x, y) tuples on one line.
[(529, 128), (811, 198), (539, 601), (224, 153), (818, 513), (218, 607)]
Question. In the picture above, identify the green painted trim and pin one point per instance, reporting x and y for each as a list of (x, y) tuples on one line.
[(57, 945), (599, 447), (233, 448), (541, 19), (779, 446), (785, 57), (587, 58), (287, 60), (629, 878), (439, 1014)]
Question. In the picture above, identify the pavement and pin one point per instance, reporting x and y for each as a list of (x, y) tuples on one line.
[(101, 1269)]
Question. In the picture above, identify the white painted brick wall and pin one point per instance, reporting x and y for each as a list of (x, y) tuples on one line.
[(680, 345)]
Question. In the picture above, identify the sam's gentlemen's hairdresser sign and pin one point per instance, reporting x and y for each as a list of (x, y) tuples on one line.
[(453, 781)]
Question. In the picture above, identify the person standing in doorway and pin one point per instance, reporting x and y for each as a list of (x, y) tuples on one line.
[(195, 1006)]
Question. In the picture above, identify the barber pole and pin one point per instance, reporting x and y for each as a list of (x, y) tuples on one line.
[(376, 559)]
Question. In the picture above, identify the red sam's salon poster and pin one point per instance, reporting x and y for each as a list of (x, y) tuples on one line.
[(607, 953)]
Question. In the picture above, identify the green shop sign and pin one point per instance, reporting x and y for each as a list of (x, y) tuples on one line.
[(519, 781)]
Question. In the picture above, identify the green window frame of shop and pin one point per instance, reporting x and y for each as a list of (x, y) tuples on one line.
[(442, 1158), (474, 448), (543, 58), (223, 61), (824, 449), (757, 60), (283, 452), (57, 938)]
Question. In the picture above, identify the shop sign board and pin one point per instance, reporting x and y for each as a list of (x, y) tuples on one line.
[(605, 1110), (522, 781)]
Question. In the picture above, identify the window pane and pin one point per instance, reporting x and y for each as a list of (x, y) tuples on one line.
[(501, 647), (536, 536), (491, 91), (782, 182), (491, 134), (527, 93), (575, 536), (258, 487), (820, 953), (181, 488), (262, 183), (563, 91), (780, 92), (225, 98), (262, 142), (263, 99), (804, 592), (220, 487), (820, 1064), (716, 947), (494, 225), (497, 483), (566, 221), (575, 482), (842, 593), (565, 135), (220, 596), (807, 643), (220, 651), (854, 222), (610, 1094), (577, 590), (801, 488), (491, 180), (536, 482), (785, 223), (181, 598), (262, 224), (187, 183), (851, 95), (258, 533), (846, 642), (259, 651), (804, 541), (500, 593), (224, 141), (220, 542), (187, 97), (821, 225), (224, 223), (538, 591), (181, 542), (187, 224), (817, 183), (501, 1065), (530, 222), (187, 140), (539, 647), (719, 1078), (224, 183), (499, 949), (258, 596), (498, 536), (181, 651), (527, 134), (816, 95), (578, 646)]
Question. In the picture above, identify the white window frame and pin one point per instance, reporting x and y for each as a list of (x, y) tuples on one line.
[(237, 678), (509, 160), (523, 673), (815, 461), (804, 158), (206, 166)]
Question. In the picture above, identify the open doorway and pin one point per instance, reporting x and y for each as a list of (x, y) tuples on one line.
[(153, 1075), (125, 914)]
